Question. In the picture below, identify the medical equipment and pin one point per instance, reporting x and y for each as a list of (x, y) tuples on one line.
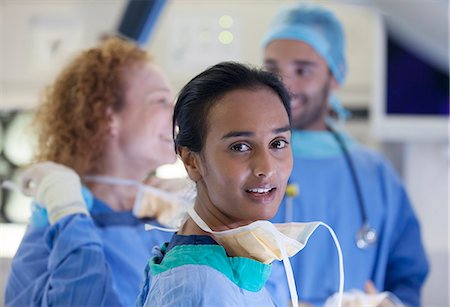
[(366, 235)]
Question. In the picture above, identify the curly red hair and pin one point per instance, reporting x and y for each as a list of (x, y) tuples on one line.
[(72, 122)]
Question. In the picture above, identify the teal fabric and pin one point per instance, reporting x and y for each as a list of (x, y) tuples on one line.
[(319, 144), (246, 273), (342, 113)]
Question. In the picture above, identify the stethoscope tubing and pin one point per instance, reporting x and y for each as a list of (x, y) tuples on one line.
[(366, 235), (351, 166)]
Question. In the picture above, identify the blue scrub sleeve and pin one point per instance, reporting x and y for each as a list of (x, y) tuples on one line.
[(61, 265), (407, 265)]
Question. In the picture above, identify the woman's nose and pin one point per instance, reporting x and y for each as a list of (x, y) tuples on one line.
[(263, 165)]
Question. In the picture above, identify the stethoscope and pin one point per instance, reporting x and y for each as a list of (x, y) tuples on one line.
[(366, 235)]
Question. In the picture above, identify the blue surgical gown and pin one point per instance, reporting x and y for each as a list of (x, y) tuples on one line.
[(196, 271), (81, 260), (395, 263)]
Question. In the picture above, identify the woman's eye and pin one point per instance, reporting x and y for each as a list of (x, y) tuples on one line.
[(160, 101), (279, 144), (240, 147)]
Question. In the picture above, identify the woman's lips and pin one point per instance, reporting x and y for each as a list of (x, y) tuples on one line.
[(262, 194)]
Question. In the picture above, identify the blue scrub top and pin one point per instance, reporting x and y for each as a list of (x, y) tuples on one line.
[(95, 260), (396, 263), (196, 271)]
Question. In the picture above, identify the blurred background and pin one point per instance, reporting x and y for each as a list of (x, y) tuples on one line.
[(397, 88)]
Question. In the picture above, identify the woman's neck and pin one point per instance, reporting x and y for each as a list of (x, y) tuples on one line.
[(210, 214), (117, 197), (191, 228)]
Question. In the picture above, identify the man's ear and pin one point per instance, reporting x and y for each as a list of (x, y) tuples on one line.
[(334, 85), (192, 163), (113, 122)]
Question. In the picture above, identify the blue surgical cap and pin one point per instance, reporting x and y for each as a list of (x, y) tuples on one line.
[(315, 26)]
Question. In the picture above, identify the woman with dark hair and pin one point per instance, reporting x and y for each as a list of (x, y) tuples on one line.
[(232, 131)]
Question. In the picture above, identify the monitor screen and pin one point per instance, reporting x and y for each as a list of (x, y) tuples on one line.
[(410, 95), (414, 87)]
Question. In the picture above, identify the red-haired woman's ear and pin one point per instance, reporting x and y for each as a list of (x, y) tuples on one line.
[(113, 123)]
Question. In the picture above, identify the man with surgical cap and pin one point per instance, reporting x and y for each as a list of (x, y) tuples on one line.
[(351, 188)]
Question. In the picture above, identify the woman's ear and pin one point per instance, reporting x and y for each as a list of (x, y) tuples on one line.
[(113, 122), (192, 163)]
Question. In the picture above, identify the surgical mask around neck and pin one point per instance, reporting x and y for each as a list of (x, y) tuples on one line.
[(169, 209), (258, 240), (266, 242)]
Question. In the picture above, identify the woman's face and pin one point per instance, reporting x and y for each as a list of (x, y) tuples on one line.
[(144, 131), (246, 159)]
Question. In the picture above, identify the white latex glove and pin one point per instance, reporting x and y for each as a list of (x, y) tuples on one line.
[(55, 187), (357, 298)]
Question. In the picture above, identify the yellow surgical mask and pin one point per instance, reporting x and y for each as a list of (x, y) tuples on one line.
[(265, 241), (258, 240)]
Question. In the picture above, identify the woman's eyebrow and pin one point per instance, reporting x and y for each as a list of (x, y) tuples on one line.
[(282, 129), (233, 134)]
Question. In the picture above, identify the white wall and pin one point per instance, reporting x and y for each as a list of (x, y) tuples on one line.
[(426, 168), (38, 37)]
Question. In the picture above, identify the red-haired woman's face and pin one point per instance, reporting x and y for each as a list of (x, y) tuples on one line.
[(143, 129)]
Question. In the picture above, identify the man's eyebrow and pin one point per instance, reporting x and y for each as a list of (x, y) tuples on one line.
[(273, 62), (305, 62), (270, 61)]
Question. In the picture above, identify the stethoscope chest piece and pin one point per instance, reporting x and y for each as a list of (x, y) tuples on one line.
[(366, 236)]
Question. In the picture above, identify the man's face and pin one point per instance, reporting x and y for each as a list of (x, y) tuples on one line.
[(307, 77)]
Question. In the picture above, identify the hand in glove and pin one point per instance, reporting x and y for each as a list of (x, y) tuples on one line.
[(371, 298), (55, 187)]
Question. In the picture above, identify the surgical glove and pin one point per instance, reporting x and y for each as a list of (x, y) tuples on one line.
[(357, 298), (55, 187)]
